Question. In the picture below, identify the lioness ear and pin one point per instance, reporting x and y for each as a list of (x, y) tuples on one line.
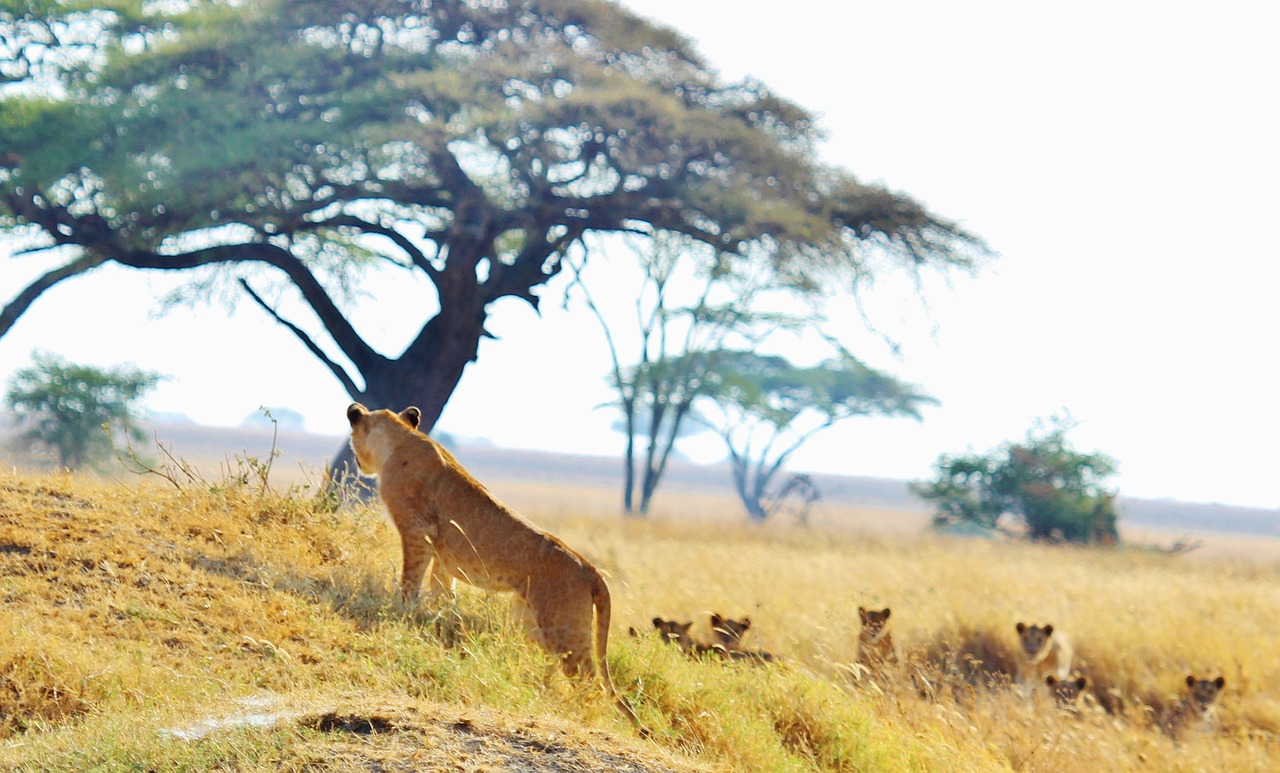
[(1022, 627), (1051, 680), (356, 412), (886, 613), (411, 416), (1220, 681), (1191, 680), (657, 622), (1048, 630)]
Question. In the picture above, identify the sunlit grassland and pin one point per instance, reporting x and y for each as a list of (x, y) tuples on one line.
[(131, 609)]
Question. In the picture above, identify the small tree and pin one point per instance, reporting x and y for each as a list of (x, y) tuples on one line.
[(691, 301), (62, 407), (768, 408), (1056, 492)]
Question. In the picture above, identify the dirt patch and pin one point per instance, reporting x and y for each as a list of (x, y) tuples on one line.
[(444, 737)]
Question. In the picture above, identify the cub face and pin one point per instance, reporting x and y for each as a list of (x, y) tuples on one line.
[(368, 433), (1066, 692), (1202, 694), (1034, 640), (874, 622), (728, 632), (674, 632)]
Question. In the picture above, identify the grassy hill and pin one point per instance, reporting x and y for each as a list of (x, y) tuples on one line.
[(225, 624)]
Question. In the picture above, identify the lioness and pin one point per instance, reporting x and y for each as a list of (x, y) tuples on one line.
[(1198, 708), (1042, 652), (452, 525), (875, 640), (1067, 693)]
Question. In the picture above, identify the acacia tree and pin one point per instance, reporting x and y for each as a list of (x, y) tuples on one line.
[(62, 408), (1054, 491), (690, 302), (768, 408), (292, 145)]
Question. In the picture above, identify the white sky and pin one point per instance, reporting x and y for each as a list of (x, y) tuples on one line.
[(1120, 157)]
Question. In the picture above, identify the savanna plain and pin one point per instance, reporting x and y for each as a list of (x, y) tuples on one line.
[(221, 623)]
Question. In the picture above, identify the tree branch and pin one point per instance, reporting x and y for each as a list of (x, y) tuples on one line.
[(335, 323), (397, 238), (18, 306), (338, 371)]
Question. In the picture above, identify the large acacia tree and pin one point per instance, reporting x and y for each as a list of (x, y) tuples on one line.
[(298, 143)]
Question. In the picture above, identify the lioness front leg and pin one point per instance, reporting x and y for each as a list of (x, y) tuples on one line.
[(418, 557)]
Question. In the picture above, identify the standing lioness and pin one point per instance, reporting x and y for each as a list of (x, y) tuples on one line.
[(449, 523)]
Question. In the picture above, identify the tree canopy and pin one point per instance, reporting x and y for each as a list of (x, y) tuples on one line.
[(289, 146), (767, 408), (1050, 490), (68, 410)]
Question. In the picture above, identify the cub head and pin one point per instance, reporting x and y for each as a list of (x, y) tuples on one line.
[(1202, 694), (1034, 640), (674, 632), (1067, 692), (728, 632), (371, 432), (875, 623)]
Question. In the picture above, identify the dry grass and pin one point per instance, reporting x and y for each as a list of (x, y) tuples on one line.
[(132, 609)]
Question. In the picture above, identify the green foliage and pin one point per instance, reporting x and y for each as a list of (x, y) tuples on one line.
[(1056, 492), (769, 408), (64, 408)]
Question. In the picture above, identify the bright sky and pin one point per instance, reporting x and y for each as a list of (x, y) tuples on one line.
[(1120, 157)]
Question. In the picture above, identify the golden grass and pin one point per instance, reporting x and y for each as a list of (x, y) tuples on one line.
[(132, 609)]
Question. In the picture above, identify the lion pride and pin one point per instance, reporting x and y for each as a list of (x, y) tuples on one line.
[(451, 525)]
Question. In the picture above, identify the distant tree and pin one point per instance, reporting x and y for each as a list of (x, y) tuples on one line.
[(1043, 483), (690, 302), (768, 408), (62, 408), (279, 150)]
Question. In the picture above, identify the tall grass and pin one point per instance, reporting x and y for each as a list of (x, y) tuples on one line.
[(129, 609)]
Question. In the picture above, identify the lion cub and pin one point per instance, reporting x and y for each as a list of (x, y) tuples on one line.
[(1042, 652), (676, 633), (1067, 693), (1198, 708), (727, 636), (875, 641), (451, 525)]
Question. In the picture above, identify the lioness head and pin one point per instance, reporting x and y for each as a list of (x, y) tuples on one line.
[(728, 632), (1034, 640), (875, 623), (1066, 692), (370, 430), (1202, 694)]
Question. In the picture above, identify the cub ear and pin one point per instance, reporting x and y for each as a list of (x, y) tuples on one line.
[(1191, 680), (657, 622), (746, 623), (1051, 680), (1022, 627), (356, 412), (716, 620), (886, 613), (1082, 682), (411, 416), (862, 615), (1220, 681)]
